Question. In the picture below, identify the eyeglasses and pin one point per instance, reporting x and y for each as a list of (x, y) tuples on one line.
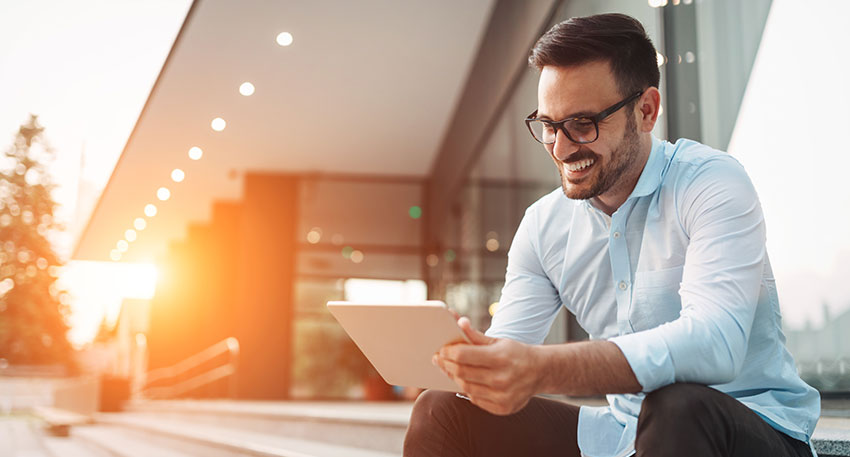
[(581, 130)]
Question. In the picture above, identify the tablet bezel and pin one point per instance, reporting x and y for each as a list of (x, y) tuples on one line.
[(400, 339)]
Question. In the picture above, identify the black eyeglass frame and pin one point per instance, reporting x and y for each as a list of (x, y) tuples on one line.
[(559, 125)]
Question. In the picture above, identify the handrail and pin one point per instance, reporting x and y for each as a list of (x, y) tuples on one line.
[(228, 346)]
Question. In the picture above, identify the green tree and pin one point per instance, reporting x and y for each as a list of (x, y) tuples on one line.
[(33, 314)]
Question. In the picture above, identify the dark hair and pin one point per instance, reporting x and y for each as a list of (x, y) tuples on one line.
[(616, 38)]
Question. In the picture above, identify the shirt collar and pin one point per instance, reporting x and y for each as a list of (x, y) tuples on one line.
[(650, 177)]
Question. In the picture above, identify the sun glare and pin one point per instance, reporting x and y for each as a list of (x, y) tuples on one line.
[(97, 289)]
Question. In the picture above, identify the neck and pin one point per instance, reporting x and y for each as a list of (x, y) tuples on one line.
[(611, 200)]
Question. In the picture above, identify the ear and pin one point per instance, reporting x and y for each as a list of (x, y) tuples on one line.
[(647, 108)]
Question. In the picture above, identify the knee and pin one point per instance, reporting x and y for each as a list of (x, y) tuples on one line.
[(673, 404), (432, 405), (430, 423)]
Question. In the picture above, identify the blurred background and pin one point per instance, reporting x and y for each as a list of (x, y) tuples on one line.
[(184, 185)]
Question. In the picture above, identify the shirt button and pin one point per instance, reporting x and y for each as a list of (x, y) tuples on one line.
[(616, 234), (623, 285)]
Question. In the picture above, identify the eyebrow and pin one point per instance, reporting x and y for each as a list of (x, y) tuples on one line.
[(570, 116)]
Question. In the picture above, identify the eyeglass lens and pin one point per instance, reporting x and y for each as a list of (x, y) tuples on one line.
[(580, 130)]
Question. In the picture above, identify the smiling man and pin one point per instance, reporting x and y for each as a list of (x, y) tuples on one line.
[(659, 251)]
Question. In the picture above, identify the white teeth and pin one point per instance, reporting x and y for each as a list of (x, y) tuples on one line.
[(580, 165)]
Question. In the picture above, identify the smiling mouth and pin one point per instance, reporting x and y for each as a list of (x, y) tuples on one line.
[(579, 165)]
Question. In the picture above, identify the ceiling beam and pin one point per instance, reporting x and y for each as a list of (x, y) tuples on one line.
[(513, 29)]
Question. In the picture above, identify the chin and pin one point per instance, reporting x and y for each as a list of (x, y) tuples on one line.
[(584, 190), (577, 193)]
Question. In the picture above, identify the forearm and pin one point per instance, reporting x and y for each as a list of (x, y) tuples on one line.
[(585, 368)]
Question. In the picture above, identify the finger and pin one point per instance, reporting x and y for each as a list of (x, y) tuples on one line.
[(468, 373), (475, 337), (491, 406), (494, 401), (467, 354)]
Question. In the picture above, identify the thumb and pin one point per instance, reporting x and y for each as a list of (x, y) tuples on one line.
[(475, 337)]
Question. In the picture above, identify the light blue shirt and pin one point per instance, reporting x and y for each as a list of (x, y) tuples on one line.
[(678, 278)]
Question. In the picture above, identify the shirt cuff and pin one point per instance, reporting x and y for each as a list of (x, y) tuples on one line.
[(648, 357)]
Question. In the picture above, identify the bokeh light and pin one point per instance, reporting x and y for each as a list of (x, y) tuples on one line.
[(432, 260), (195, 153), (314, 235), (493, 308), (140, 223), (218, 124), (284, 39), (450, 255), (177, 175), (246, 89)]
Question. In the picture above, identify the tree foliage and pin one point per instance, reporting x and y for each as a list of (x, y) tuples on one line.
[(33, 311)]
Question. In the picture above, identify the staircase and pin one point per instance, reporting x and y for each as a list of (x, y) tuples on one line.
[(181, 428)]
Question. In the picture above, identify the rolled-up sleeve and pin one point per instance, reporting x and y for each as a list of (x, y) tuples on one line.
[(719, 211), (529, 301)]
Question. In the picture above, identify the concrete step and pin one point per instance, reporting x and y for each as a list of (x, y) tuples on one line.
[(58, 421), (183, 438), (25, 436), (375, 426), (832, 437), (116, 441), (21, 437), (69, 447)]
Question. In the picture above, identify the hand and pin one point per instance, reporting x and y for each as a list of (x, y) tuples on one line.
[(499, 375)]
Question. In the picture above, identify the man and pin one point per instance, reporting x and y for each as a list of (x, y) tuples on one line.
[(659, 251)]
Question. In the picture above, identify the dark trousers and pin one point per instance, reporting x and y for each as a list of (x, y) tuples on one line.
[(677, 420)]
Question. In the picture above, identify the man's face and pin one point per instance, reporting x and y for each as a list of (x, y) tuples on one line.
[(609, 163)]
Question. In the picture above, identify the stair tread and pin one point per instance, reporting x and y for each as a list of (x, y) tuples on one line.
[(112, 440), (19, 437), (386, 413), (260, 443)]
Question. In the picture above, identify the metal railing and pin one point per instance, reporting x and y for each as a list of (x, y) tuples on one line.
[(229, 346)]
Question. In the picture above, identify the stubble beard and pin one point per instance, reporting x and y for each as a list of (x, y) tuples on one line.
[(611, 174)]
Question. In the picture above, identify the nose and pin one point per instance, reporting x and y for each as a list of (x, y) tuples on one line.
[(563, 146)]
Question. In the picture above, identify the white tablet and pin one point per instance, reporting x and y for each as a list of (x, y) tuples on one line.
[(399, 340)]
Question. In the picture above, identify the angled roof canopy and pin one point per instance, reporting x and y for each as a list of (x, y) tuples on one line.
[(366, 87)]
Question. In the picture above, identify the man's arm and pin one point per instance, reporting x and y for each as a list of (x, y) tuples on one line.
[(707, 344), (500, 375)]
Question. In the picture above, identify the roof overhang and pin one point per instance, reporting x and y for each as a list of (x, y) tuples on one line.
[(367, 87)]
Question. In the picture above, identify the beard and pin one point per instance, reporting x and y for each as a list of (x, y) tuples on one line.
[(610, 174)]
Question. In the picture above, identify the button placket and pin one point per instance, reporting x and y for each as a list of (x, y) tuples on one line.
[(619, 257)]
